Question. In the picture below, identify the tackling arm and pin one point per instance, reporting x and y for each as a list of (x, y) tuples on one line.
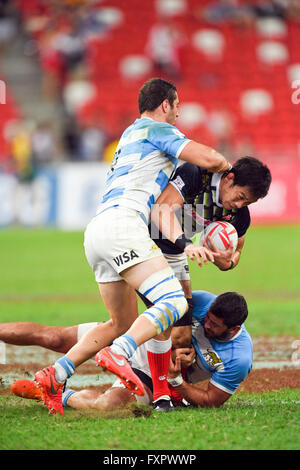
[(163, 215), (204, 156), (212, 397), (209, 398)]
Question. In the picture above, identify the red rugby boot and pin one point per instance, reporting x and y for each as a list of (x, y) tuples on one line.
[(119, 366), (26, 389), (51, 390)]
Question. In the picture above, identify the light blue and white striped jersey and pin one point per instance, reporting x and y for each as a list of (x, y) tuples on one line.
[(145, 159), (226, 363)]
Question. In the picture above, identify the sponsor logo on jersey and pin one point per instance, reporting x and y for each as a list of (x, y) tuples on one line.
[(125, 257), (227, 217), (178, 181), (212, 358), (154, 247)]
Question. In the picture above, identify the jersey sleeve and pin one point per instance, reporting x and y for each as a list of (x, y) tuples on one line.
[(234, 374), (202, 300), (167, 138), (186, 180), (242, 221)]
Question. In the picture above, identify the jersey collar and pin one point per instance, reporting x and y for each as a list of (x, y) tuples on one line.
[(215, 181), (231, 339)]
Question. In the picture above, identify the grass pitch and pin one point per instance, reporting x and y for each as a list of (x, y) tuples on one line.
[(45, 278)]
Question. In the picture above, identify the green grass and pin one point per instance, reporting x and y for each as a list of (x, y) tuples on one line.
[(262, 422), (44, 277)]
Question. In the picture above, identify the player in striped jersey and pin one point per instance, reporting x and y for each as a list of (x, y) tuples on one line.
[(119, 249), (204, 197)]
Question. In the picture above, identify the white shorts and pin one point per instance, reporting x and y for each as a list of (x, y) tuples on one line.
[(115, 240), (180, 266)]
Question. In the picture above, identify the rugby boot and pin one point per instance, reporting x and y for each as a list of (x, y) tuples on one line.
[(163, 405), (26, 389), (51, 389), (119, 366)]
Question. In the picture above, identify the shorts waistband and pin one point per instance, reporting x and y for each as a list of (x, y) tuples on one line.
[(144, 378)]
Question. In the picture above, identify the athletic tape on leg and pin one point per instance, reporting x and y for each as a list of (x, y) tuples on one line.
[(84, 328), (164, 290)]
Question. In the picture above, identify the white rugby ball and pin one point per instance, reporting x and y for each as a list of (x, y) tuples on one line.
[(221, 234)]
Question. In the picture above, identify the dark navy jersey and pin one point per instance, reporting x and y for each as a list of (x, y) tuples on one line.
[(199, 189)]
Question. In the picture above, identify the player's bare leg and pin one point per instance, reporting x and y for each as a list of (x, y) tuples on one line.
[(56, 338), (115, 397), (155, 280), (119, 297), (121, 302), (112, 399)]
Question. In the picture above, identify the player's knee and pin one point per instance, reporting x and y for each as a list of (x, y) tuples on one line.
[(118, 327), (164, 313), (54, 340), (164, 291), (182, 306)]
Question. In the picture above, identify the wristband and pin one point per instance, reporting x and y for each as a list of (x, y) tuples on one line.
[(176, 381), (231, 266), (181, 242)]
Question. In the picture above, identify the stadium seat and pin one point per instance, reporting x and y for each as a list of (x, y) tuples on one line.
[(271, 27), (135, 66), (272, 52), (191, 115), (210, 42), (256, 101)]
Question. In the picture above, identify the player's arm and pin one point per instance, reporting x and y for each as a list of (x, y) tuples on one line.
[(212, 397), (163, 215), (227, 259), (164, 212), (204, 156)]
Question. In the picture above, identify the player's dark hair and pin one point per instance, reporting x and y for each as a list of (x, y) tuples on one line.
[(231, 308), (154, 92), (251, 172)]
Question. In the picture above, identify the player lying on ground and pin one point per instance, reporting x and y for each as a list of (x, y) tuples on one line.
[(119, 249), (222, 347)]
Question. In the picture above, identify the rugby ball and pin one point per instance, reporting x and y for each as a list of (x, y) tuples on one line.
[(221, 234)]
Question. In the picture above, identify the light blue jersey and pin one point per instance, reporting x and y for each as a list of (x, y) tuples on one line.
[(145, 159), (226, 363)]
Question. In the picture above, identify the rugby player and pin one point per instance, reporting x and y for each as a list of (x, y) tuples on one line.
[(222, 353), (204, 197), (120, 251), (193, 185)]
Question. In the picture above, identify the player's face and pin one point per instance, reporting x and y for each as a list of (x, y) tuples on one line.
[(214, 327), (233, 196), (173, 111)]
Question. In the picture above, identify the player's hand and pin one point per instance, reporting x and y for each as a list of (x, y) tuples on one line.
[(202, 254), (186, 356), (222, 257), (175, 367)]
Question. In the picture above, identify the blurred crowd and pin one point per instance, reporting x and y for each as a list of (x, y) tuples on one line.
[(59, 33)]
